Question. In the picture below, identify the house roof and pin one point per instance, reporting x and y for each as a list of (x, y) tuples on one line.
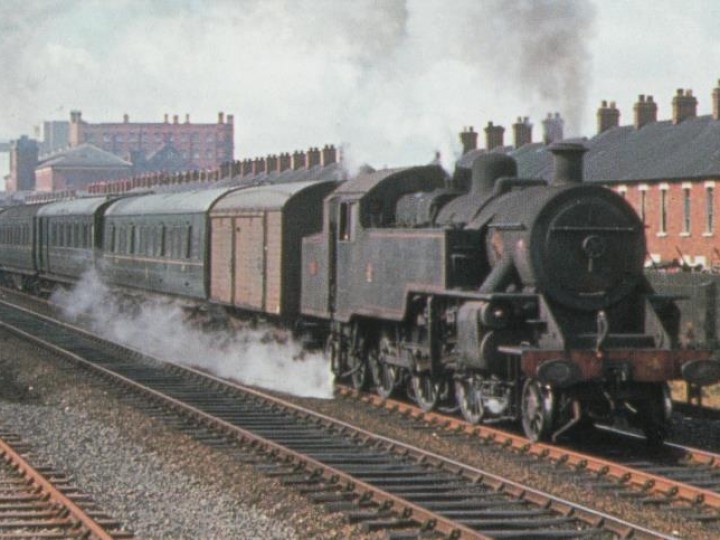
[(658, 151), (83, 156)]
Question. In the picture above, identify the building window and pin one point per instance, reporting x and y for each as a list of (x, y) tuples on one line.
[(686, 211), (643, 205), (709, 209), (663, 211)]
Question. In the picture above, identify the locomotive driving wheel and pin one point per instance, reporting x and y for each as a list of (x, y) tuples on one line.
[(469, 399), (426, 391), (386, 375), (537, 410), (358, 365)]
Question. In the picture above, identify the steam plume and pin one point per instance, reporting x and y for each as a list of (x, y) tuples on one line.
[(395, 79), (160, 329)]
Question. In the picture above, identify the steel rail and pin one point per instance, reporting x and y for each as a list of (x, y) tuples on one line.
[(75, 518), (579, 460), (427, 520)]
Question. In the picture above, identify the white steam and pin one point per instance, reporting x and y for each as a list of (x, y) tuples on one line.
[(160, 328), (395, 79)]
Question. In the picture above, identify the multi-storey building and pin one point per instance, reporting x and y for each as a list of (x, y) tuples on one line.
[(23, 159), (200, 146)]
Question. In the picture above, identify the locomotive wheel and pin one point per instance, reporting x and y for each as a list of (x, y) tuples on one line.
[(469, 400), (386, 375), (654, 414), (425, 390), (537, 410), (358, 364)]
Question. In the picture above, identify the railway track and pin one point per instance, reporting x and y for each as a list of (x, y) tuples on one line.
[(379, 482), (682, 479), (37, 501)]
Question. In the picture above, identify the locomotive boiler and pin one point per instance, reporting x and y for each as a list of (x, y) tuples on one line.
[(516, 299)]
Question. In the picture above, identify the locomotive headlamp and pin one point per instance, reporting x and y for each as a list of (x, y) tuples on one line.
[(701, 372)]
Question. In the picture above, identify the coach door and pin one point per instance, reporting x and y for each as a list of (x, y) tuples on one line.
[(222, 260), (250, 261)]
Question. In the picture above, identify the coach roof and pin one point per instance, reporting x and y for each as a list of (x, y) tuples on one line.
[(74, 207), (184, 202)]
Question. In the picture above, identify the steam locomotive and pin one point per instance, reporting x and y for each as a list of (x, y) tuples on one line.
[(511, 298)]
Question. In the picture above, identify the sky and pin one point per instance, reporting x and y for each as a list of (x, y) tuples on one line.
[(392, 81)]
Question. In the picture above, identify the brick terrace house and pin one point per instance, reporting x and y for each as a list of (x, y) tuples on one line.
[(200, 146), (669, 170)]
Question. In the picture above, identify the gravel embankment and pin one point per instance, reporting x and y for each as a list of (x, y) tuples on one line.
[(158, 483)]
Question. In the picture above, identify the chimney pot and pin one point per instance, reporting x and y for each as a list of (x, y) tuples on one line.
[(468, 138), (166, 118), (187, 118), (522, 132), (126, 118), (494, 136), (221, 118), (175, 119), (230, 118), (608, 117)]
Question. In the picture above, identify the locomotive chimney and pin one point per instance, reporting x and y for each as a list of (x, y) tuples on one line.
[(487, 168), (568, 163)]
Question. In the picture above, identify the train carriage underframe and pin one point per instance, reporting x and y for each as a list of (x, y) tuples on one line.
[(419, 356)]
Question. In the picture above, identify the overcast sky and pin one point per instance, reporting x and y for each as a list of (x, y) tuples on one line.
[(392, 80)]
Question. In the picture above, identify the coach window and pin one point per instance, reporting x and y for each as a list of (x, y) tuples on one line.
[(347, 221), (188, 243)]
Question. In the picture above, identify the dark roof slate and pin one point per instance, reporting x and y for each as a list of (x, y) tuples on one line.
[(84, 155), (658, 151)]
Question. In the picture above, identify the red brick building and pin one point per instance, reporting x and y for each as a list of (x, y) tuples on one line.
[(75, 168), (201, 146)]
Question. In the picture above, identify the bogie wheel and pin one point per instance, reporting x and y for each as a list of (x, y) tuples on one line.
[(425, 390), (358, 364), (537, 410), (469, 400), (386, 375)]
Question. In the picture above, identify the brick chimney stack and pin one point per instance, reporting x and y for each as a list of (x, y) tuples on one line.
[(175, 119), (608, 116), (166, 118), (468, 138), (553, 128), (187, 118), (329, 155), (716, 102), (494, 136), (75, 117), (684, 106), (126, 118), (522, 132), (221, 118), (246, 167), (645, 111), (258, 166), (313, 157), (298, 160), (271, 163), (285, 161)]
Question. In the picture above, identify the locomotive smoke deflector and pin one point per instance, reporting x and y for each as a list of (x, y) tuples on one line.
[(568, 168)]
